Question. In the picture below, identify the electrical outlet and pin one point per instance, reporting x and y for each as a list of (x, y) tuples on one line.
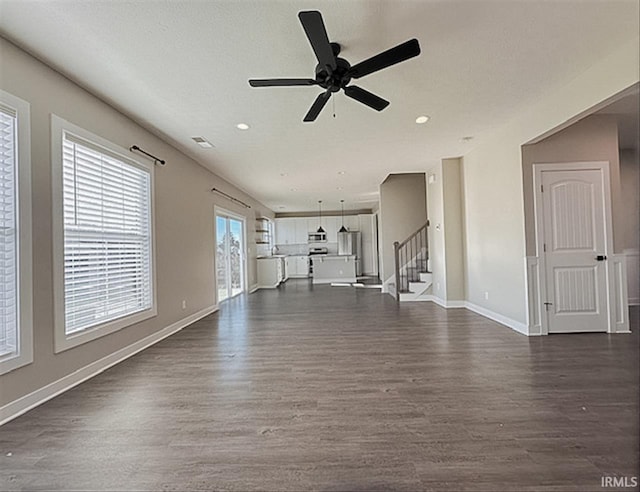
[(184, 304), (486, 295)]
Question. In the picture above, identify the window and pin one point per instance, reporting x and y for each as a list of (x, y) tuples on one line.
[(107, 267), (15, 234)]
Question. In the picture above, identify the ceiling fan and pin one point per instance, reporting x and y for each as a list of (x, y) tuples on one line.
[(334, 73)]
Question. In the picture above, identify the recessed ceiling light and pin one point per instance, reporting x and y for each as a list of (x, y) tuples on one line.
[(202, 142), (422, 119), (339, 188), (242, 126), (340, 172), (294, 189), (283, 174)]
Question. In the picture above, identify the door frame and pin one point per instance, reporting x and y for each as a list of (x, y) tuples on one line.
[(604, 168), (223, 212)]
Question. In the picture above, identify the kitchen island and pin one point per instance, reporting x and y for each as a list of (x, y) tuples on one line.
[(334, 268)]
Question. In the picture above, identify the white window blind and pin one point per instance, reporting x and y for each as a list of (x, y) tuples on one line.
[(8, 233), (107, 236)]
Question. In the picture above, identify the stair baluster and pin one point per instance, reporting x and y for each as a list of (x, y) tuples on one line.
[(411, 259)]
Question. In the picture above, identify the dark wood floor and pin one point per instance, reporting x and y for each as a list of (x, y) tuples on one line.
[(340, 389)]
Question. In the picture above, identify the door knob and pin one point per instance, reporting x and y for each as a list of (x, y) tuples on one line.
[(601, 257)]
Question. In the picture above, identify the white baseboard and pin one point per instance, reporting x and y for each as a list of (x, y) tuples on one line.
[(22, 405), (337, 280), (253, 288), (444, 303), (499, 318)]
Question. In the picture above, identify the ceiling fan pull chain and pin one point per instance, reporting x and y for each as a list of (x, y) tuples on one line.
[(333, 100)]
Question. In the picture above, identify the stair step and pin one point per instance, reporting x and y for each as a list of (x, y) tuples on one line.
[(418, 287), (407, 296), (426, 277)]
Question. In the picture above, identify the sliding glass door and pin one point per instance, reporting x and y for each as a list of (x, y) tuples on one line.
[(230, 264)]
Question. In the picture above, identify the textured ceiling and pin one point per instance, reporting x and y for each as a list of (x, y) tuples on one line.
[(180, 68)]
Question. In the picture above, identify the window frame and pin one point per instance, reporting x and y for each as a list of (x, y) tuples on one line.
[(62, 340), (24, 352)]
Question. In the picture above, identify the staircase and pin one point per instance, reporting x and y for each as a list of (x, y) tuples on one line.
[(412, 276)]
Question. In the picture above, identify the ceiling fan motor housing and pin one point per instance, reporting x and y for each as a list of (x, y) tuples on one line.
[(336, 80)]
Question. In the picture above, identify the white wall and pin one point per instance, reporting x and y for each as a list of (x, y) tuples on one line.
[(184, 220), (630, 198), (437, 251), (453, 201), (594, 138), (494, 203), (403, 210)]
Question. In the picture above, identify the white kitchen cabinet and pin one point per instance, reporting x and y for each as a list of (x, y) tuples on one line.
[(331, 225), (352, 223), (292, 230), (270, 272), (298, 266), (283, 231), (313, 224), (301, 233), (302, 266)]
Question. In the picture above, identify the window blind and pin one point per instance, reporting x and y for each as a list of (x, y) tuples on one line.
[(8, 233), (107, 236)]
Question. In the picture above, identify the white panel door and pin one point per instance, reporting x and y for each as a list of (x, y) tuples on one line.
[(575, 250)]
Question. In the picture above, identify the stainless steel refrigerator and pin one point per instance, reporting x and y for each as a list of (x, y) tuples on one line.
[(349, 243)]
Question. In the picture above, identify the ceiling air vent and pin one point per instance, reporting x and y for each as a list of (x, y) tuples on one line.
[(202, 142)]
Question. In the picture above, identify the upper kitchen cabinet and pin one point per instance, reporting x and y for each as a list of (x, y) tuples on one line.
[(352, 223), (292, 230), (301, 230), (313, 223), (285, 231), (331, 226)]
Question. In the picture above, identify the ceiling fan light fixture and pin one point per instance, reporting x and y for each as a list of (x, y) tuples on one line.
[(420, 120), (334, 73), (242, 126)]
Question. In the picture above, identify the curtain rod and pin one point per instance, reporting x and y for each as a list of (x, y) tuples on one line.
[(156, 160), (216, 190)]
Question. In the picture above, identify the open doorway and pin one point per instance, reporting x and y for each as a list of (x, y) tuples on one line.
[(230, 255)]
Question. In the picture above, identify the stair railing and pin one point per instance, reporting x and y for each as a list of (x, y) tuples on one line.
[(411, 258)]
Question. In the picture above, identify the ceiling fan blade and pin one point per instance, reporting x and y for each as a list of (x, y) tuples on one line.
[(314, 28), (280, 82), (397, 54), (317, 106), (366, 97)]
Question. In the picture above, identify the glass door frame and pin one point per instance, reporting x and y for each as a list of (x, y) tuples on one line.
[(227, 214)]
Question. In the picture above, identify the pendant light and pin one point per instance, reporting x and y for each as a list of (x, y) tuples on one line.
[(320, 229), (343, 228)]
